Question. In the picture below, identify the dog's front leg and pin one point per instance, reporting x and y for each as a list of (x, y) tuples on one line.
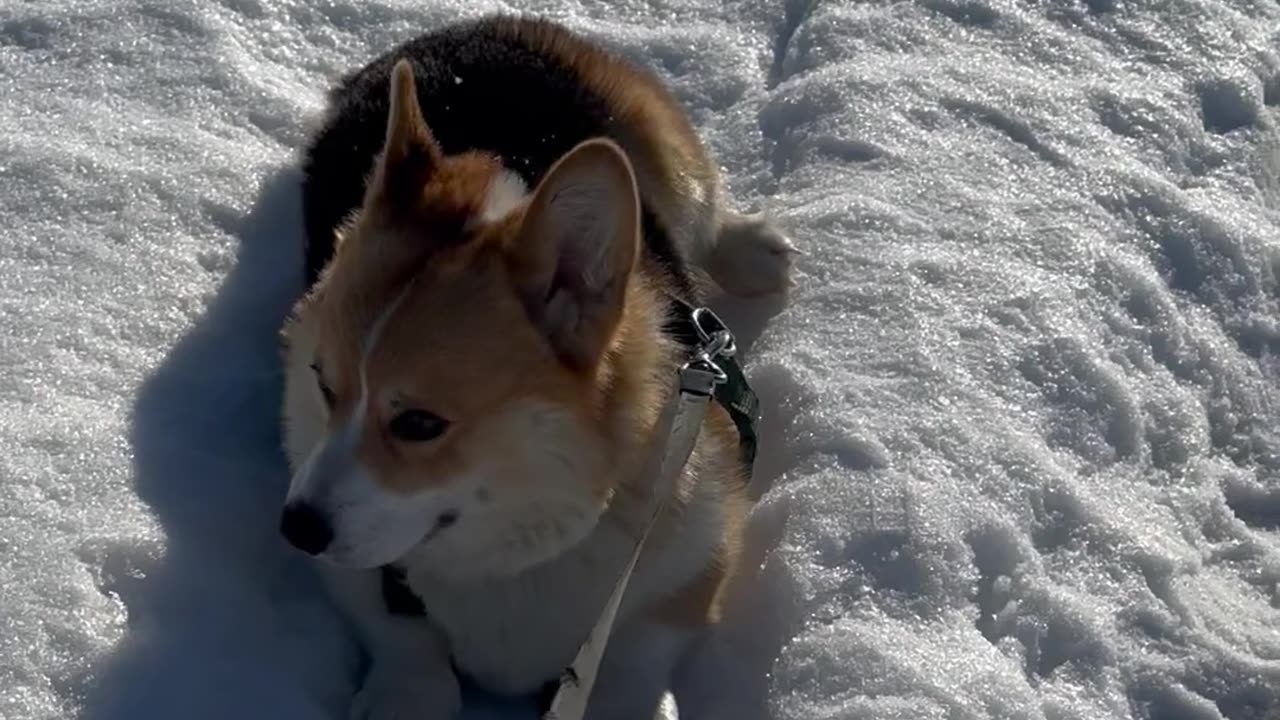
[(410, 677)]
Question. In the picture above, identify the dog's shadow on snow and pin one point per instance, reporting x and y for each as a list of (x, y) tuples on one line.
[(230, 622)]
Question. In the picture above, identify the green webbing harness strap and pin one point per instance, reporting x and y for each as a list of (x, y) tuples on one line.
[(688, 325)]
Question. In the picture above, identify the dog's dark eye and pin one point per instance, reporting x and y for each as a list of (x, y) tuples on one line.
[(325, 390), (417, 426)]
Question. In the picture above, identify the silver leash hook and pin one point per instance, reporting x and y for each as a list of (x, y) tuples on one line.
[(714, 333), (701, 372)]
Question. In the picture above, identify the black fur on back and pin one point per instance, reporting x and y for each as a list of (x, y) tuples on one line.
[(481, 87)]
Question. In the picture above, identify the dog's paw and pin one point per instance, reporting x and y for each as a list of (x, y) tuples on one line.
[(751, 257), (392, 693), (631, 709)]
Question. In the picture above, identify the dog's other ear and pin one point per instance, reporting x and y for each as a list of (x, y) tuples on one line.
[(409, 153), (573, 256)]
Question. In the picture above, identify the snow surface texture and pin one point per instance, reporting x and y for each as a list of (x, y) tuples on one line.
[(1022, 434)]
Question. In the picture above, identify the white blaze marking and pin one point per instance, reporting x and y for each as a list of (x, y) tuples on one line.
[(505, 193), (355, 425)]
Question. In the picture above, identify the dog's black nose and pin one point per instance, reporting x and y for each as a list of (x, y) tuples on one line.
[(306, 528)]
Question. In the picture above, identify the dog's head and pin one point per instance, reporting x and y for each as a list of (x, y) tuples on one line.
[(447, 376)]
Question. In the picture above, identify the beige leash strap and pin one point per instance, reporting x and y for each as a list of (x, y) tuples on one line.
[(681, 418)]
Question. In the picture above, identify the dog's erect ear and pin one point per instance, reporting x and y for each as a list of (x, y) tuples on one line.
[(410, 152), (573, 257)]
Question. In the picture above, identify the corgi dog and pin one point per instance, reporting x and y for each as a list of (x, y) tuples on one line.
[(499, 215)]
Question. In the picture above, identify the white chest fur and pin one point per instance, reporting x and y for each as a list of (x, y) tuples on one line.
[(513, 635)]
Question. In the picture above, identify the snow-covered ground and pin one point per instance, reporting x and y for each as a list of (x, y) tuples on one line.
[(1023, 427)]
